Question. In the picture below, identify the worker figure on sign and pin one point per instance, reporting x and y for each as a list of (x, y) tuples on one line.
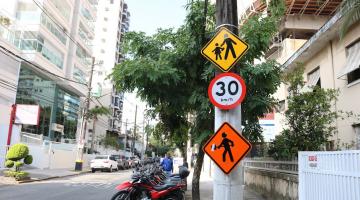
[(227, 144), (229, 46), (218, 51)]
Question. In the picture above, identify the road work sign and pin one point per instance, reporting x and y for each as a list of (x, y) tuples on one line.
[(227, 90), (224, 49), (226, 147)]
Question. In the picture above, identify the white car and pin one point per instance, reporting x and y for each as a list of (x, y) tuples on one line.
[(104, 162)]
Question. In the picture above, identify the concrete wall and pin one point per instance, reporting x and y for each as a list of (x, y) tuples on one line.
[(272, 185)]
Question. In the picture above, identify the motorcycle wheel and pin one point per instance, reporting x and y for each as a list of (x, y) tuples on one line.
[(121, 195)]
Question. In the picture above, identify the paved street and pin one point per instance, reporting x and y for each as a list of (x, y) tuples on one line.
[(100, 185)]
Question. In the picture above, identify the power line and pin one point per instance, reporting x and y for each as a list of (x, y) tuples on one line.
[(51, 18), (35, 65)]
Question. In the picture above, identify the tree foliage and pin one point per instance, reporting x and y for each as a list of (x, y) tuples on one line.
[(309, 117), (17, 154), (169, 73), (351, 11)]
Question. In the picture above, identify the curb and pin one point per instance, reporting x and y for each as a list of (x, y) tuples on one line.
[(51, 177)]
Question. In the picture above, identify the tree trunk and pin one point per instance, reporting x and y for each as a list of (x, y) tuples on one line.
[(93, 135), (197, 172)]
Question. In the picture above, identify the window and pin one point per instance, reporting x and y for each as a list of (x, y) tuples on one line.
[(103, 40), (353, 76), (102, 51), (313, 78), (105, 18), (106, 9), (281, 106), (352, 62), (357, 135), (104, 29), (112, 1)]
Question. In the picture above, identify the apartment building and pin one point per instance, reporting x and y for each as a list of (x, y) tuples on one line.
[(309, 34), (55, 36), (111, 24)]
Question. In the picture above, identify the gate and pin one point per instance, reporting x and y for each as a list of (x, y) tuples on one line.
[(329, 175)]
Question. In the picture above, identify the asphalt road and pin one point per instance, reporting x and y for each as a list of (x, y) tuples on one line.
[(97, 186)]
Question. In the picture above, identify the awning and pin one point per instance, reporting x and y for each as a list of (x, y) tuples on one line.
[(352, 60), (313, 78)]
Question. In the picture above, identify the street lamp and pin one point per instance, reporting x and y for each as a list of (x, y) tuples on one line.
[(81, 141)]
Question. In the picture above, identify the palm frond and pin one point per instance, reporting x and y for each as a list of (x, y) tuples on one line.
[(351, 12)]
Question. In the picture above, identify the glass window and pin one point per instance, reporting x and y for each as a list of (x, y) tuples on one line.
[(79, 75), (63, 8), (57, 106), (67, 112), (35, 92), (353, 76), (53, 28)]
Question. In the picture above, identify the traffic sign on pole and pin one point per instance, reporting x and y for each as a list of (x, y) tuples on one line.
[(226, 147), (227, 90), (224, 49)]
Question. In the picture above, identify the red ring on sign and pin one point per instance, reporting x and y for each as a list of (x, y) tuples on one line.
[(231, 106)]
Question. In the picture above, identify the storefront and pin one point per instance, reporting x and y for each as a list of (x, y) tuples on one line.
[(59, 107)]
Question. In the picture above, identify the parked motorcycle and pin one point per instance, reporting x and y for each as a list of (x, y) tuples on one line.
[(151, 183)]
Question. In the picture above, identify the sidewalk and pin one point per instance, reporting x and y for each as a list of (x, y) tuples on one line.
[(206, 190), (40, 174)]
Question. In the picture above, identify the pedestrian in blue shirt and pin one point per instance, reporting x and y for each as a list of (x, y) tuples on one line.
[(167, 165)]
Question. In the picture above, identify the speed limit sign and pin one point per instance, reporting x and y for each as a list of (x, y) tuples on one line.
[(227, 90)]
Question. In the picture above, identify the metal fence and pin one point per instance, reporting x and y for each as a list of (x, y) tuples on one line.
[(289, 167), (328, 175)]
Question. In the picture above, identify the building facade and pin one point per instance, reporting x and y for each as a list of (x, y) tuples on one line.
[(53, 39), (309, 34), (111, 24)]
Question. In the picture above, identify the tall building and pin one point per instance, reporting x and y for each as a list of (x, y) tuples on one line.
[(111, 24), (56, 37)]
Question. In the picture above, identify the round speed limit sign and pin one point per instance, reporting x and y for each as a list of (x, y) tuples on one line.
[(227, 90)]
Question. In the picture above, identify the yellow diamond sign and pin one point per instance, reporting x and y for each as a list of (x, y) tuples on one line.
[(224, 49)]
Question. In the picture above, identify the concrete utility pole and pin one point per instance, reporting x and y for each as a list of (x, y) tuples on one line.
[(81, 142), (126, 123), (228, 187), (133, 141)]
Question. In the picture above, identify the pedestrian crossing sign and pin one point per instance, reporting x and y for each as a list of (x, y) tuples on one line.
[(225, 49), (226, 147)]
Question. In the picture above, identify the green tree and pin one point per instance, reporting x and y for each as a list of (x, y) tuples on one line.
[(351, 12), (17, 156), (111, 141), (169, 73), (309, 117), (94, 114)]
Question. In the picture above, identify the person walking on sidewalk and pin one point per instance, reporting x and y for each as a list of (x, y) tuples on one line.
[(167, 165)]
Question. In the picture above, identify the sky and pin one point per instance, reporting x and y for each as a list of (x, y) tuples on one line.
[(147, 16)]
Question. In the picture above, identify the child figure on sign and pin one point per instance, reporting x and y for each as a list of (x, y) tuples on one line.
[(218, 51)]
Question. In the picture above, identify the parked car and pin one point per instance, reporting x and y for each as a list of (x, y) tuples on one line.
[(131, 162), (136, 160), (122, 162), (104, 162)]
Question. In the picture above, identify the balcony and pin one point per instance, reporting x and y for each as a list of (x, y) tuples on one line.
[(31, 45)]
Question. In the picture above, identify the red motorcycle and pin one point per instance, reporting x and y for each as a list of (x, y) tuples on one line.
[(151, 187)]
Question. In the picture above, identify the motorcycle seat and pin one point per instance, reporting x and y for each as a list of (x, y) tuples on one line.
[(163, 187)]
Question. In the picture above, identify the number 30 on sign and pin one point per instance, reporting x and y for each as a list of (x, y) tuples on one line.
[(227, 90)]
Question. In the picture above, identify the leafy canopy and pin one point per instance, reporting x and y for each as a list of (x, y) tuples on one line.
[(309, 117)]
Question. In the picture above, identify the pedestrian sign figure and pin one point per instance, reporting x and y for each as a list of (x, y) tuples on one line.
[(229, 46), (227, 144), (218, 51), (226, 147), (224, 49)]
